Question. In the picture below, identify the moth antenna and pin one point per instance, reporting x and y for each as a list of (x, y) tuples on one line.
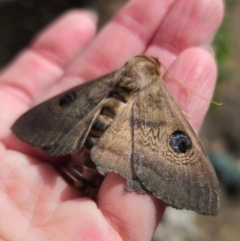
[(213, 102)]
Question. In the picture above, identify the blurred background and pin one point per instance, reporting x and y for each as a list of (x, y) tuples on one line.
[(20, 20)]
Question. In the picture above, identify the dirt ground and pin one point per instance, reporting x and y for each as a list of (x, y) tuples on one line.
[(21, 20)]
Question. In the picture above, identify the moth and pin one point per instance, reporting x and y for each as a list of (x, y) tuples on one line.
[(128, 123)]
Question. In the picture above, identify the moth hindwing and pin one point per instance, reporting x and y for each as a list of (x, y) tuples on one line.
[(129, 123)]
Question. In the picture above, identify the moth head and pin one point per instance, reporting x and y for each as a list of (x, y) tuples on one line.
[(146, 64), (140, 71)]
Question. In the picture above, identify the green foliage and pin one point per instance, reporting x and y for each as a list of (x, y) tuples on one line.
[(222, 43), (222, 49)]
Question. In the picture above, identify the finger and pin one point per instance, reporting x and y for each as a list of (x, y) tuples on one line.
[(125, 36), (134, 216), (196, 69), (40, 66), (66, 37), (133, 34), (188, 23), (36, 69)]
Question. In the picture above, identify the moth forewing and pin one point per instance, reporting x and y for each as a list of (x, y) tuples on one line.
[(167, 150), (131, 125), (152, 145), (61, 124)]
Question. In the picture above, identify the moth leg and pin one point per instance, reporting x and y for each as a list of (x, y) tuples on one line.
[(83, 176)]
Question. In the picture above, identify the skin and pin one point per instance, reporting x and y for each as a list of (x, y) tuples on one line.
[(35, 202)]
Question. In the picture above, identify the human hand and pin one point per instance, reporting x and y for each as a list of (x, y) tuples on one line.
[(35, 202)]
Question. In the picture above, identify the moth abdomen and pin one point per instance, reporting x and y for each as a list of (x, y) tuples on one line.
[(117, 96), (100, 125), (108, 111), (121, 93), (112, 105), (90, 142)]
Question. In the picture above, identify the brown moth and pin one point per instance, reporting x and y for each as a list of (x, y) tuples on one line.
[(128, 123)]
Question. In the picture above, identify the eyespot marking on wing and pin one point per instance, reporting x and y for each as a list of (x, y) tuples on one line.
[(180, 142), (67, 99)]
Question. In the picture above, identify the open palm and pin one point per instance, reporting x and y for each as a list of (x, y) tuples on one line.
[(35, 202)]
